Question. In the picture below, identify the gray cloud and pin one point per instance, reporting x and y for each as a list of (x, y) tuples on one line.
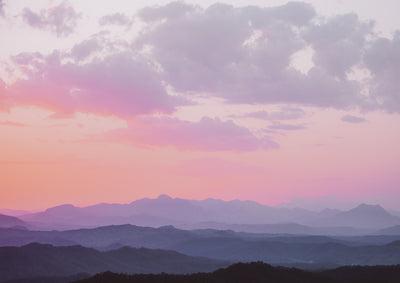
[(2, 13), (383, 60), (116, 19), (171, 10), (286, 113), (353, 119), (244, 54), (85, 48), (286, 127), (61, 19), (338, 43)]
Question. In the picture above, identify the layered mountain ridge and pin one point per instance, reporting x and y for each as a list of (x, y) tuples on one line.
[(165, 210)]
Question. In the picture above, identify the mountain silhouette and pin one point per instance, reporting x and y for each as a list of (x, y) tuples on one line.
[(363, 216), (258, 272), (222, 245), (393, 230), (165, 210), (11, 221), (35, 260)]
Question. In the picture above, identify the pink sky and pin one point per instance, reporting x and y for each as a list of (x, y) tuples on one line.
[(273, 102)]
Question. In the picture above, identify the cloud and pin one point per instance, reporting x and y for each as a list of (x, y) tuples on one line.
[(85, 48), (12, 124), (61, 19), (116, 19), (171, 11), (244, 54), (205, 135), (2, 13), (263, 115), (338, 43), (121, 84), (286, 113), (286, 127), (353, 119), (383, 60)]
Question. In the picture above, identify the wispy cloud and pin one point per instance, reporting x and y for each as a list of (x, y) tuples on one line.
[(286, 113), (12, 124), (205, 135), (286, 127), (353, 119)]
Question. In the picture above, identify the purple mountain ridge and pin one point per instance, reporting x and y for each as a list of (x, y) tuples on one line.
[(363, 216), (165, 210), (10, 221), (393, 230)]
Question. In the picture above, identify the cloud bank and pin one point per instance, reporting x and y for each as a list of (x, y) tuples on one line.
[(121, 84), (242, 55)]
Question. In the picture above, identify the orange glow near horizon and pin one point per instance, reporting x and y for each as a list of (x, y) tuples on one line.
[(51, 161)]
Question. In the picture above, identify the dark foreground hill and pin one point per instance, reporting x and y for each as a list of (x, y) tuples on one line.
[(38, 260), (260, 272)]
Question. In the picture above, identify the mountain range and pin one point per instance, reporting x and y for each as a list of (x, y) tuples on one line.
[(182, 213), (39, 260), (222, 245), (206, 235)]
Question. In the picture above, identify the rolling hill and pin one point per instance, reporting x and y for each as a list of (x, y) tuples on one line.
[(11, 221), (223, 245), (36, 260), (258, 272)]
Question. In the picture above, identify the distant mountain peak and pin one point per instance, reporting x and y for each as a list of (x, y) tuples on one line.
[(10, 221), (61, 208), (375, 208), (168, 227), (164, 197), (369, 205)]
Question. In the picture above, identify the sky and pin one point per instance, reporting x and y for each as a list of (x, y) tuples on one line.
[(293, 103)]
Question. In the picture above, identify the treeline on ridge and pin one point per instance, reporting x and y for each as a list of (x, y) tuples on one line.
[(261, 272)]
